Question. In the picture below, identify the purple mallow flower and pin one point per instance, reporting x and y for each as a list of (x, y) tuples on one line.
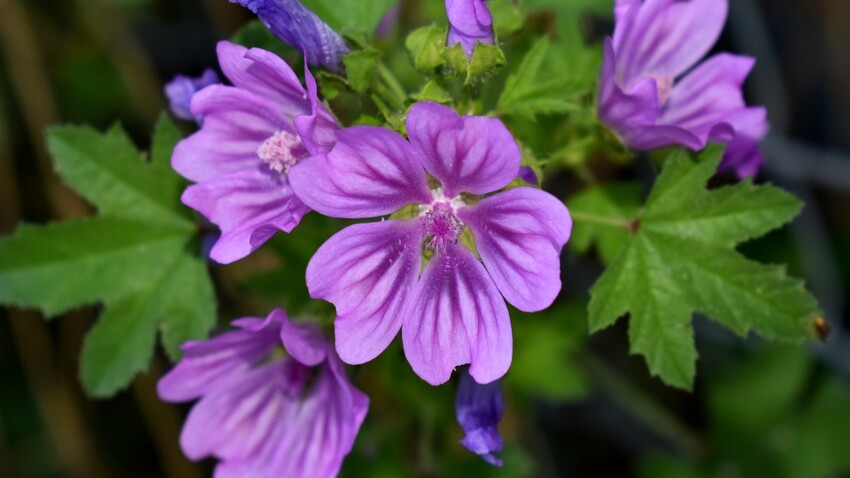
[(262, 412), (479, 409), (451, 311), (647, 97), (253, 133), (299, 27), (180, 90), (470, 22)]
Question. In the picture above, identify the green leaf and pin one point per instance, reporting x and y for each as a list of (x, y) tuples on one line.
[(360, 16), (529, 92), (360, 66), (433, 91), (681, 260), (138, 255), (595, 210), (427, 47), (507, 17)]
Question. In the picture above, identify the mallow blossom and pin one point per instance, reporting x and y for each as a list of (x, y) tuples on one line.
[(262, 412), (654, 94), (450, 310), (302, 29), (470, 22), (479, 409), (253, 133), (180, 90)]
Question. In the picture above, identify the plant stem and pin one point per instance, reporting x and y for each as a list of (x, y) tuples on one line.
[(392, 83), (643, 407)]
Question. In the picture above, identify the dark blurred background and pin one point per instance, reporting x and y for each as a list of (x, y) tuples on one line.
[(102, 61)]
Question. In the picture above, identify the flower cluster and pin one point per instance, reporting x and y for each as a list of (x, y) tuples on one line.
[(456, 236)]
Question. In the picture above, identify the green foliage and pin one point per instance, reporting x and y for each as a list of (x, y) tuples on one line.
[(508, 17), (486, 61), (680, 260), (609, 205), (136, 256), (360, 66), (427, 47), (529, 92), (771, 416), (544, 343), (351, 16)]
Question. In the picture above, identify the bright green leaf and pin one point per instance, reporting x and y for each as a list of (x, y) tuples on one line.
[(681, 260), (427, 47), (360, 66), (595, 210), (529, 92), (138, 255), (360, 16)]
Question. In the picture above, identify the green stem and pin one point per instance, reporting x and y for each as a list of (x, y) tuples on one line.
[(606, 221), (392, 84), (643, 407)]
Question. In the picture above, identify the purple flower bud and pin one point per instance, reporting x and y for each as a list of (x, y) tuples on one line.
[(479, 410), (470, 22), (527, 174), (180, 90), (299, 27)]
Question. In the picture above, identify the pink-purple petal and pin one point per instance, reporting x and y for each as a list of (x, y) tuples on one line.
[(708, 93), (368, 271), (470, 154), (208, 364), (235, 125), (266, 74), (248, 206), (303, 341), (666, 37), (519, 234), (369, 172), (317, 129), (457, 316)]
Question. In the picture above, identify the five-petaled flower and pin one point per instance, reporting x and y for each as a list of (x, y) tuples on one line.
[(451, 312), (262, 412), (643, 98), (253, 133)]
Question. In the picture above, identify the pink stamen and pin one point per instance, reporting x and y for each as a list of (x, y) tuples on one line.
[(281, 151), (442, 226)]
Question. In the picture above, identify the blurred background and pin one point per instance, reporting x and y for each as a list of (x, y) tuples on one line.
[(757, 410)]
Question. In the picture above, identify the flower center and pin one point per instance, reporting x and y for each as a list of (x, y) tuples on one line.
[(442, 226), (281, 151), (295, 377), (664, 85)]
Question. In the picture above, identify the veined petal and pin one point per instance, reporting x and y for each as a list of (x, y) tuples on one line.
[(233, 422), (214, 363), (236, 122), (316, 435), (470, 154), (369, 172), (368, 271), (519, 234), (317, 130), (457, 316), (303, 341), (708, 93), (620, 110), (470, 22), (265, 74), (248, 206), (667, 37)]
